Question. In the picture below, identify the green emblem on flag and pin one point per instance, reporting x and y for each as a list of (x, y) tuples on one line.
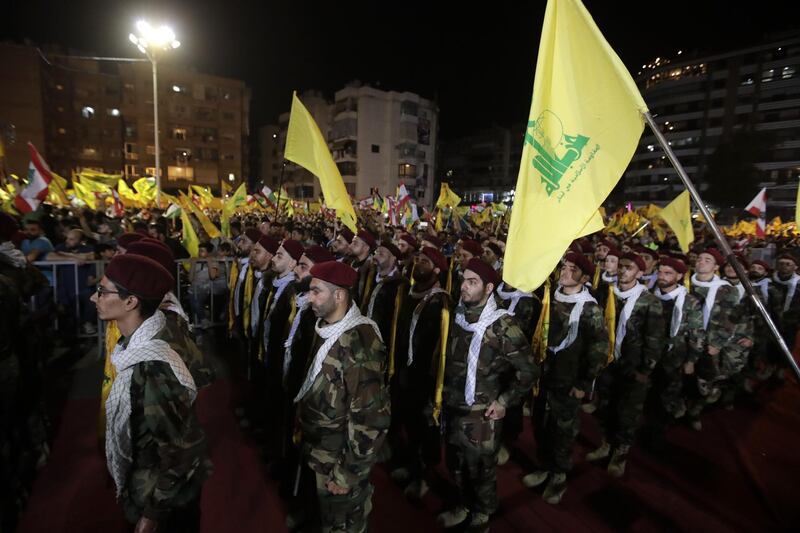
[(554, 153)]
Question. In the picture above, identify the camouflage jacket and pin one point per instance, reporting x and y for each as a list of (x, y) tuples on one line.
[(345, 415), (774, 306), (526, 312), (582, 361), (176, 333), (168, 444), (723, 322), (504, 351), (687, 344), (789, 318), (644, 335)]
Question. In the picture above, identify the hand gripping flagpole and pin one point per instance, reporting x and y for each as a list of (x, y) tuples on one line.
[(723, 243)]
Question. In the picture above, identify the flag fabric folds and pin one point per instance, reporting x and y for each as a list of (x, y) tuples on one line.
[(447, 198), (39, 178), (583, 128), (678, 215), (306, 146)]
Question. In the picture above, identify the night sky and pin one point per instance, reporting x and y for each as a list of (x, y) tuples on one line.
[(477, 62)]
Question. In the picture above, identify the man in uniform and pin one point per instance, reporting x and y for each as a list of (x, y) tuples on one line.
[(577, 351), (485, 343), (385, 300), (763, 358), (241, 276), (732, 360), (155, 447), (785, 280), (650, 258), (341, 244), (360, 249), (638, 342), (408, 246), (343, 404)]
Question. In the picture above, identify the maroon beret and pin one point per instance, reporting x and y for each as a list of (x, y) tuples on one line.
[(125, 240), (743, 260), (636, 258), (433, 240), (473, 247), (574, 247), (494, 248), (674, 263), (437, 258), (644, 250), (347, 235), (253, 234), (269, 244), (410, 240), (607, 243), (140, 275), (394, 250), (586, 246), (761, 263), (8, 227), (368, 238), (335, 272), (293, 248), (157, 252), (484, 271), (713, 252), (580, 261), (156, 242), (788, 257), (318, 254), (613, 250)]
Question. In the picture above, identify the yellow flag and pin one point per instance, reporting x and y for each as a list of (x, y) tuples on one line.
[(225, 188), (60, 189), (594, 225), (584, 125), (107, 179), (83, 193), (447, 198), (94, 186), (146, 189), (204, 195), (189, 241), (678, 214), (229, 207), (208, 226), (306, 146)]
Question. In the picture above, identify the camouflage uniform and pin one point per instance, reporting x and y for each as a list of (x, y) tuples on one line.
[(472, 440), (343, 419), (733, 358), (555, 415), (176, 333), (621, 408), (168, 449), (765, 349)]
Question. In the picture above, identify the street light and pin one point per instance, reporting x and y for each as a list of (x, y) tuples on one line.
[(152, 42)]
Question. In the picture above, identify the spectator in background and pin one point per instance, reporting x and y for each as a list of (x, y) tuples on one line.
[(37, 246), (202, 277), (69, 295), (158, 230)]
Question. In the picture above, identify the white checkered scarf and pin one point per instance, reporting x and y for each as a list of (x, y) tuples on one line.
[(515, 296), (301, 302), (488, 317), (679, 295), (712, 286), (379, 280), (630, 296), (579, 299), (331, 334), (791, 288), (415, 318), (141, 348), (171, 303)]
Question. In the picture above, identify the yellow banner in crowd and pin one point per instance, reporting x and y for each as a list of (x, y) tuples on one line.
[(678, 215)]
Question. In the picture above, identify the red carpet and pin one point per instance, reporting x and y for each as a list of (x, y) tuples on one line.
[(739, 474)]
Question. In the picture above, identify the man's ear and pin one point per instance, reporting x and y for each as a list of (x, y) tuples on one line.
[(488, 288), (131, 302)]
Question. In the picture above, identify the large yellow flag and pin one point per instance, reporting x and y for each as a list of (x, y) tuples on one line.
[(306, 146), (678, 214), (208, 226), (146, 190), (447, 198), (594, 225), (189, 241), (584, 124), (83, 193), (229, 207)]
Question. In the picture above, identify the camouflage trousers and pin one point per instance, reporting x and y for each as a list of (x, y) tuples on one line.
[(344, 513), (471, 455), (621, 407), (556, 423), (667, 391)]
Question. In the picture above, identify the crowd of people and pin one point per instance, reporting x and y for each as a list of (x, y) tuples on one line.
[(389, 344)]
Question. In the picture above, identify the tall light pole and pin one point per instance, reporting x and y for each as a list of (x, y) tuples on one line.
[(152, 42)]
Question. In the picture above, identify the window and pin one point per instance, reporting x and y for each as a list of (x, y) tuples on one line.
[(227, 157), (62, 131), (90, 151), (180, 173), (131, 151), (351, 188), (112, 112), (130, 170), (208, 135), (150, 171), (407, 170), (179, 134), (376, 149), (228, 136), (87, 112), (347, 168)]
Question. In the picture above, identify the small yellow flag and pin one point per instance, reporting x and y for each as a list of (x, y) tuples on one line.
[(306, 146), (678, 214), (208, 226), (584, 124), (189, 241), (447, 198)]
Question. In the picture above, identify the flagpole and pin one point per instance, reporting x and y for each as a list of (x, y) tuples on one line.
[(723, 243), (280, 186)]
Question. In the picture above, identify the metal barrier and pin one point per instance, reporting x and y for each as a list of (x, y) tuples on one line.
[(183, 268)]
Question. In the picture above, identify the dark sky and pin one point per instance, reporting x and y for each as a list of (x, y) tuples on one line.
[(478, 62)]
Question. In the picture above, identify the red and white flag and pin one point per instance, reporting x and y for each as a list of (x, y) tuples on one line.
[(39, 178), (758, 207)]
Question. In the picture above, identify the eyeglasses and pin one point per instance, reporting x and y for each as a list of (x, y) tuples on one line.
[(101, 291)]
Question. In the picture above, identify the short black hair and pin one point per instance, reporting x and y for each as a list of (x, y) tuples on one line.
[(208, 246), (102, 247), (147, 306)]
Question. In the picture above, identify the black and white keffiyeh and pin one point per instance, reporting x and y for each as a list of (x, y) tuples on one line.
[(791, 288), (679, 295), (302, 303), (712, 286), (579, 299), (415, 318), (515, 296), (631, 296)]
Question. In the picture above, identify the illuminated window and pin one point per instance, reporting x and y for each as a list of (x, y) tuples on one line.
[(87, 112)]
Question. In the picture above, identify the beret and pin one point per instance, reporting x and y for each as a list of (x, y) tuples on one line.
[(437, 258), (642, 250), (293, 248), (140, 275), (410, 240), (433, 240), (674, 263), (368, 238), (347, 235), (318, 254), (762, 264), (472, 247), (613, 250), (157, 252), (335, 272), (788, 256), (713, 252), (269, 244), (126, 239), (494, 248), (394, 250), (253, 234), (484, 271), (586, 246), (581, 262), (636, 258)]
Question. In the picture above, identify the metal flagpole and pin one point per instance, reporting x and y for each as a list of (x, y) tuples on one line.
[(723, 243), (280, 186)]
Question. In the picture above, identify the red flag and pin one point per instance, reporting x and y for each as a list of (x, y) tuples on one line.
[(39, 178)]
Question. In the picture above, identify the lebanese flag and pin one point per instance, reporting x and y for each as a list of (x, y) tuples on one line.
[(402, 196), (758, 207), (39, 178)]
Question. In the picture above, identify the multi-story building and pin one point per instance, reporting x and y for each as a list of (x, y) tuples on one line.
[(483, 167), (269, 159), (99, 115), (701, 102), (378, 140)]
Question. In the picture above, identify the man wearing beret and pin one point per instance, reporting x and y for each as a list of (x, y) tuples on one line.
[(419, 354), (361, 247), (733, 359), (576, 354), (638, 343), (155, 447), (485, 344), (341, 244), (608, 277), (683, 324), (650, 258), (764, 357), (241, 277), (467, 249), (408, 247), (343, 406), (720, 302), (786, 280)]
